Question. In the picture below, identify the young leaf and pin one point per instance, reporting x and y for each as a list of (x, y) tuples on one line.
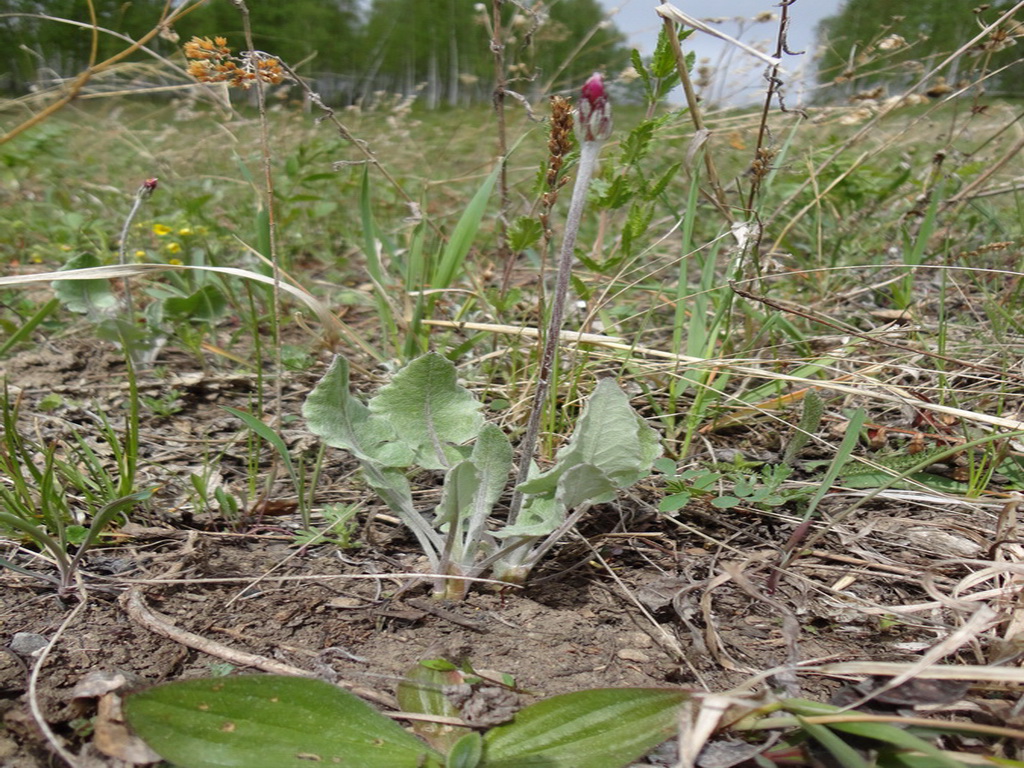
[(492, 456), (492, 463), (637, 144), (461, 484), (467, 752), (429, 411), (663, 63), (92, 298), (539, 516), (344, 422), (270, 721), (810, 420), (207, 304), (524, 233), (601, 728), (641, 70), (584, 484), (611, 436), (465, 231), (420, 691)]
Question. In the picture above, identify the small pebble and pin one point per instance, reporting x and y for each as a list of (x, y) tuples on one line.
[(27, 643), (633, 654)]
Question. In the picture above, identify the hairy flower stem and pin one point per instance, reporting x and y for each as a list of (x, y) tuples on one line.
[(589, 151), (141, 194)]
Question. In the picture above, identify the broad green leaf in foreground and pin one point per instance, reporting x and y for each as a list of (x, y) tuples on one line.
[(601, 728), (270, 721)]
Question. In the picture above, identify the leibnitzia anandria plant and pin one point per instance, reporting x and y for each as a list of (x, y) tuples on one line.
[(424, 419)]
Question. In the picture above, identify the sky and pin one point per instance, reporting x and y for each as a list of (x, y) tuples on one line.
[(637, 19)]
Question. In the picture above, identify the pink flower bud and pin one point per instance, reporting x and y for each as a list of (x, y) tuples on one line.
[(594, 111)]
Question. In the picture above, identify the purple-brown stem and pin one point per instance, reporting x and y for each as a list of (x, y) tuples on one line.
[(593, 127)]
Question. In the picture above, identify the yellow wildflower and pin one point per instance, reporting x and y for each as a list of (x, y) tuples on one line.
[(175, 262), (185, 231), (161, 229), (173, 248)]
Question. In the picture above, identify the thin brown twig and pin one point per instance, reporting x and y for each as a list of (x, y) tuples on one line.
[(137, 609), (33, 685), (718, 196)]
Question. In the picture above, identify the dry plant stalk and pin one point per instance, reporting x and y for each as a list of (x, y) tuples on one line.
[(593, 127)]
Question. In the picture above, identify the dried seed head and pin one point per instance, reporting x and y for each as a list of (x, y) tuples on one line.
[(212, 62), (558, 143), (594, 111)]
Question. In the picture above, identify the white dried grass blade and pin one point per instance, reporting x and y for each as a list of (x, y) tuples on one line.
[(670, 12), (972, 672), (877, 391), (699, 719), (983, 620), (133, 270), (528, 331)]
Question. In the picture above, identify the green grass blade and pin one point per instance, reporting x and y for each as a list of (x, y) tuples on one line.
[(102, 518), (458, 246), (40, 537), (845, 755), (30, 325), (268, 434), (839, 460), (901, 739)]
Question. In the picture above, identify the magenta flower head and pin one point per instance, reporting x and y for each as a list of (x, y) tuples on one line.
[(594, 111)]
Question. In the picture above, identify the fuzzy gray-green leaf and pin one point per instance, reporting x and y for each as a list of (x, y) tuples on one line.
[(92, 298), (344, 422), (611, 436), (429, 411), (539, 516), (492, 456)]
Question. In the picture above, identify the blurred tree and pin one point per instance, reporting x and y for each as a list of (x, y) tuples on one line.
[(397, 46), (43, 40), (891, 43), (444, 46), (38, 42)]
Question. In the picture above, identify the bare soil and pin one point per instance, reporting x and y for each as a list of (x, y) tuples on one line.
[(636, 599)]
